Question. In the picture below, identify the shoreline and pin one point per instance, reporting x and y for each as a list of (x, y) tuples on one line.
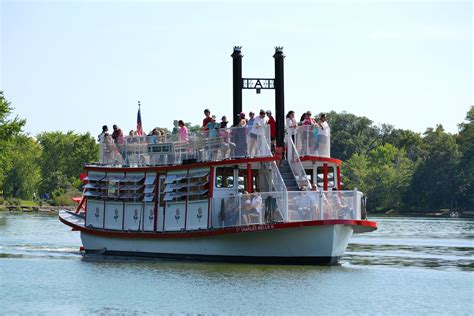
[(56, 209), (34, 209)]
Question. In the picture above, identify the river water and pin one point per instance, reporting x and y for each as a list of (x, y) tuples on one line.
[(409, 266)]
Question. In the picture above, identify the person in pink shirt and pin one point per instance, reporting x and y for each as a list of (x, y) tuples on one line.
[(183, 131)]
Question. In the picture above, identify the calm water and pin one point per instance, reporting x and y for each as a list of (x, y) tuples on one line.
[(409, 266)]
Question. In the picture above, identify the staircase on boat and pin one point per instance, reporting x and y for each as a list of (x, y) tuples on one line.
[(288, 176)]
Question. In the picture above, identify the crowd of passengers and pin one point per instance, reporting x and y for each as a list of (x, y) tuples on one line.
[(234, 139), (304, 205)]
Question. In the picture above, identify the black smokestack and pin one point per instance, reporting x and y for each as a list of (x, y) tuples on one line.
[(237, 81), (279, 96)]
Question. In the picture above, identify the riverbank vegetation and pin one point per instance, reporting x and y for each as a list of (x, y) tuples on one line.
[(398, 169)]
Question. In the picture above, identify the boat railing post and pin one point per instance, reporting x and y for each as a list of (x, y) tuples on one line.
[(355, 205), (286, 207), (321, 205), (240, 210)]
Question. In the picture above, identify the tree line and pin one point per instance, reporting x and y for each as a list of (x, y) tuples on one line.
[(397, 169)]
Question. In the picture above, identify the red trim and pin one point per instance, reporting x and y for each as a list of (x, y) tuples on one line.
[(324, 159), (249, 178), (325, 177), (221, 231), (182, 167), (81, 204), (338, 171)]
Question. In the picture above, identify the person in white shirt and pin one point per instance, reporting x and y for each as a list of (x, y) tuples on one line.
[(324, 136), (258, 136), (291, 125)]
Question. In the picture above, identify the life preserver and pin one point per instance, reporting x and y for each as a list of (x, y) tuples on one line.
[(363, 207)]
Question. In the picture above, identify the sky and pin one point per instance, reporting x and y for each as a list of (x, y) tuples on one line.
[(79, 65)]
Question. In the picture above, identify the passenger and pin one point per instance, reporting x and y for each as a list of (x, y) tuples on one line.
[(207, 119), (224, 122), (212, 141), (161, 136), (183, 131), (258, 142), (307, 135), (249, 213), (239, 138), (256, 210), (117, 135), (132, 137), (291, 125), (231, 217), (102, 144), (119, 140), (175, 127), (105, 132), (241, 116), (113, 156), (323, 136), (212, 127), (227, 147), (153, 136), (272, 123), (303, 117), (251, 120)]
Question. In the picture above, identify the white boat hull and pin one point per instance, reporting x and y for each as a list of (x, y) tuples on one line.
[(323, 244)]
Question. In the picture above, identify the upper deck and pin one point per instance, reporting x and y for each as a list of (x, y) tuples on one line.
[(205, 146)]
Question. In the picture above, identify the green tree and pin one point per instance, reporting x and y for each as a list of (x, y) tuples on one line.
[(23, 178), (433, 185), (192, 128), (465, 172), (384, 175), (63, 157), (351, 134), (9, 128)]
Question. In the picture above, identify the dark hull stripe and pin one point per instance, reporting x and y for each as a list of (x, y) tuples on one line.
[(217, 258)]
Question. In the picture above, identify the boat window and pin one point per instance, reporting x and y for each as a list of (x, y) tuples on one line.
[(309, 175), (224, 177), (320, 176), (243, 183)]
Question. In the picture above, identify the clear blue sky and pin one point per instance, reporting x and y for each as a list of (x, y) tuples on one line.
[(79, 65)]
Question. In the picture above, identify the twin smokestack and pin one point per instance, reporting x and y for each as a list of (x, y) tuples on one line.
[(277, 83)]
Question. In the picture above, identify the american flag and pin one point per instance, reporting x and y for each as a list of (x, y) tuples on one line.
[(139, 121)]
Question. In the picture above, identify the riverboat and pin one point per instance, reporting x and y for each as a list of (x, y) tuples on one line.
[(229, 195)]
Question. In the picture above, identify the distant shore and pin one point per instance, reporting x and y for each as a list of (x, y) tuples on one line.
[(34, 209)]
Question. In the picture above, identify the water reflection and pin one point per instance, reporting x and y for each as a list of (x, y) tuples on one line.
[(442, 244)]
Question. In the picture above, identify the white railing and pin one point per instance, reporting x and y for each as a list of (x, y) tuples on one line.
[(296, 165), (173, 149), (283, 207), (313, 141)]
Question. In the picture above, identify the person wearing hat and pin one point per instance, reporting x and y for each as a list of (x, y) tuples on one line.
[(241, 116), (272, 123)]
